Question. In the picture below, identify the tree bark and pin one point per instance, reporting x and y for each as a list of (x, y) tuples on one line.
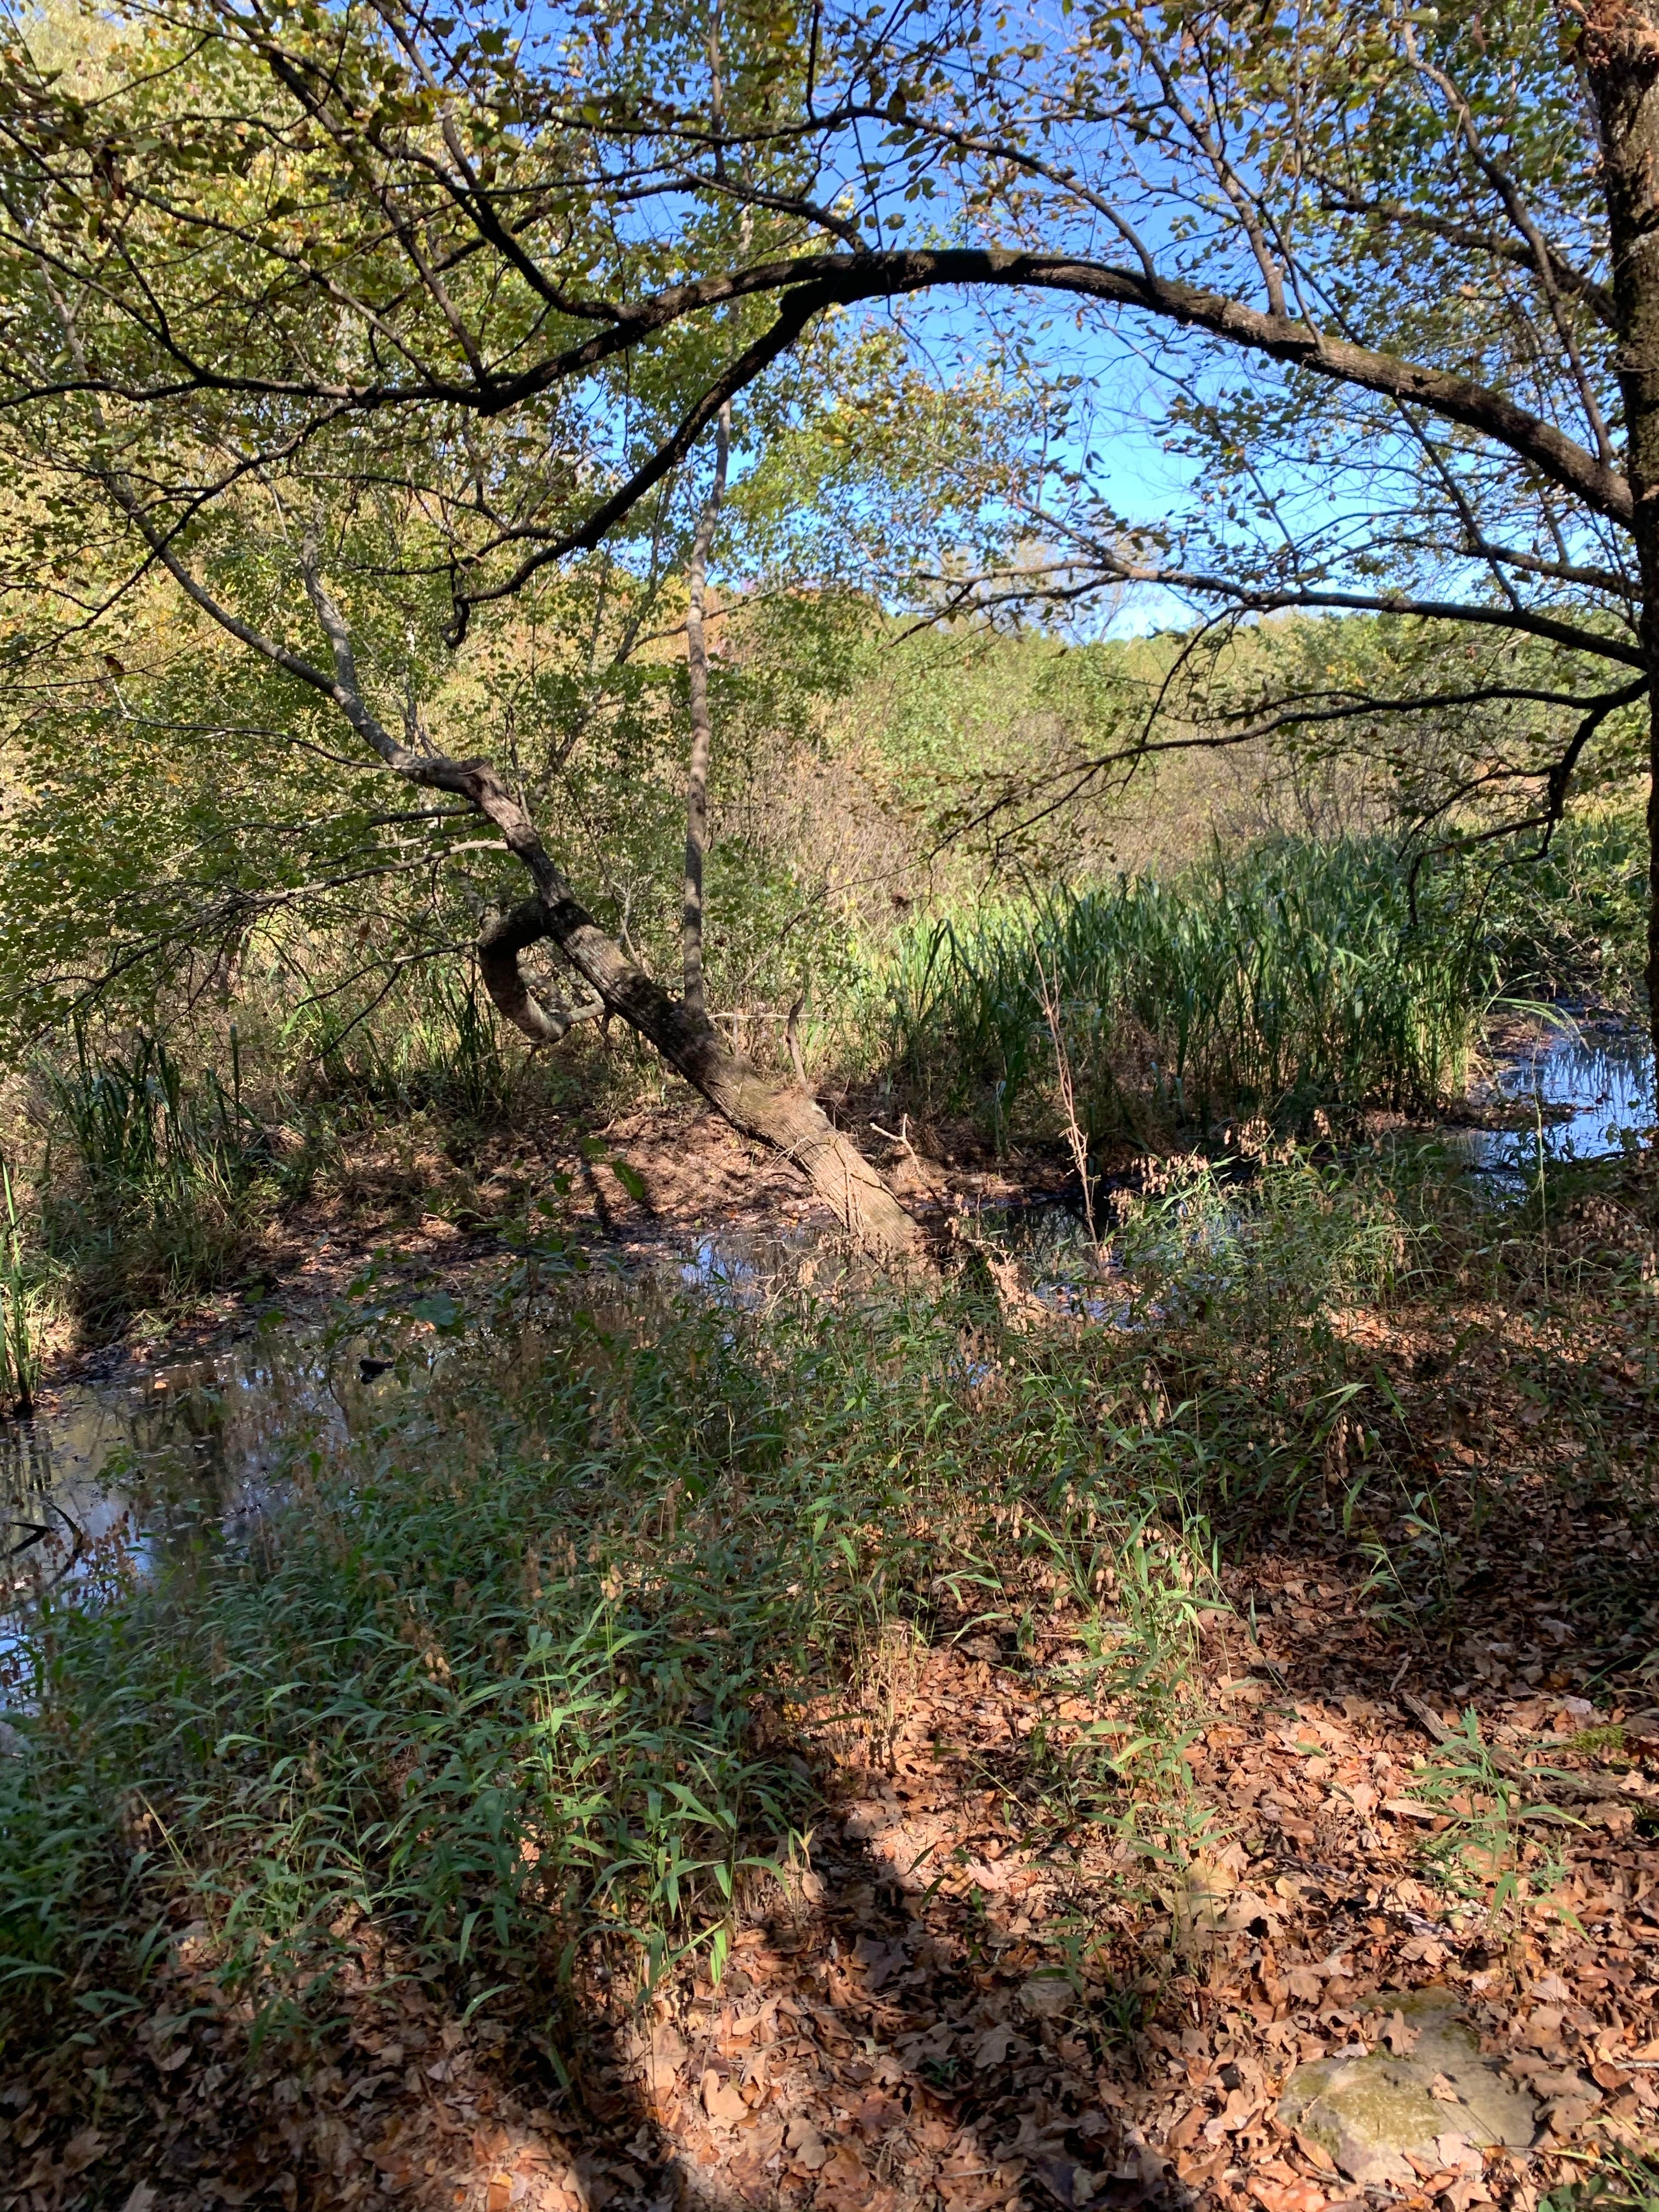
[(782, 1115), (779, 1114), (696, 780), (1620, 45)]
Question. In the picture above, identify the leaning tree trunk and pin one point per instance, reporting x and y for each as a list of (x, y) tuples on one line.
[(1620, 43), (781, 1114)]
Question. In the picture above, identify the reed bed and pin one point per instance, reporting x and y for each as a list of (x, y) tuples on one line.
[(1300, 976), (161, 1187)]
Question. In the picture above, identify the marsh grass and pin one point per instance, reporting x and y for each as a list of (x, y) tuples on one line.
[(432, 1039), (1298, 975), (21, 1304), (160, 1195)]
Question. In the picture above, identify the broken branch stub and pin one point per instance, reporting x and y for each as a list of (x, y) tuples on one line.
[(500, 945)]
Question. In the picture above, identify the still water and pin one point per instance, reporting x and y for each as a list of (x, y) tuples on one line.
[(1585, 1092), (115, 1475)]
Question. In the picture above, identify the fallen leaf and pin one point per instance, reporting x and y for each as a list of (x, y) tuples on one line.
[(1245, 1908), (876, 2115), (82, 2149), (1063, 2178), (993, 2047), (1293, 2196), (1457, 2154), (1407, 1808), (844, 2182), (722, 2100), (1570, 2112), (665, 2054), (880, 1961), (805, 2144), (1046, 1996), (1400, 2038)]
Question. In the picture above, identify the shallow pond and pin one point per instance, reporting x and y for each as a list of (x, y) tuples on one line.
[(113, 1475), (116, 1474), (1590, 1089), (109, 1476)]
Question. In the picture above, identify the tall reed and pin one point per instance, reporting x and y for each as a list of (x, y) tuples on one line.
[(431, 1039), (131, 1122), (1294, 977), (158, 1200), (20, 1307)]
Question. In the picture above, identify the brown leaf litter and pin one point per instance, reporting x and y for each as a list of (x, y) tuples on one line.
[(958, 2007), (985, 1994)]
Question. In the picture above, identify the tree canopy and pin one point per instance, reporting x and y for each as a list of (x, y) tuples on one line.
[(358, 322)]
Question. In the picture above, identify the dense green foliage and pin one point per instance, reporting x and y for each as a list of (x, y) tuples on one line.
[(520, 1658), (1295, 976)]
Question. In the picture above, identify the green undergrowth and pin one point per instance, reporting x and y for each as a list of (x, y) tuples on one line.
[(153, 1181), (22, 1305), (521, 1659), (1289, 984), (531, 1659), (1622, 2180), (1295, 975)]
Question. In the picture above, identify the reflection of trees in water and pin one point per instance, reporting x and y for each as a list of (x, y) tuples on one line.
[(83, 1488), (38, 1537), (146, 1470), (1585, 1087)]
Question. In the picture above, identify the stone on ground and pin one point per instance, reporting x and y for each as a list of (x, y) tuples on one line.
[(1368, 2113)]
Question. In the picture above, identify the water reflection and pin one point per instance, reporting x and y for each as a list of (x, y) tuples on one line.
[(113, 1476), (1590, 1092)]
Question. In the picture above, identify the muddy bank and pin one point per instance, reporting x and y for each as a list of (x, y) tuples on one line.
[(431, 1205)]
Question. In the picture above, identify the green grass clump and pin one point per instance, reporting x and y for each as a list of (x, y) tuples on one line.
[(160, 1195), (522, 1660), (21, 1305), (429, 1038), (1294, 976)]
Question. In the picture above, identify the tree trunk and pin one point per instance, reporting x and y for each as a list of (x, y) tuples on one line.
[(1620, 45), (780, 1114), (696, 780), (777, 1113)]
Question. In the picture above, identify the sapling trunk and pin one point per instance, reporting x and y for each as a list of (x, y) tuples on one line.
[(696, 782)]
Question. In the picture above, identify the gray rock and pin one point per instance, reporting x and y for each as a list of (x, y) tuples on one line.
[(1368, 2112)]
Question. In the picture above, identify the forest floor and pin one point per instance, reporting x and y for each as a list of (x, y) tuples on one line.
[(900, 2032), (432, 1201), (1428, 1761), (429, 1197)]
